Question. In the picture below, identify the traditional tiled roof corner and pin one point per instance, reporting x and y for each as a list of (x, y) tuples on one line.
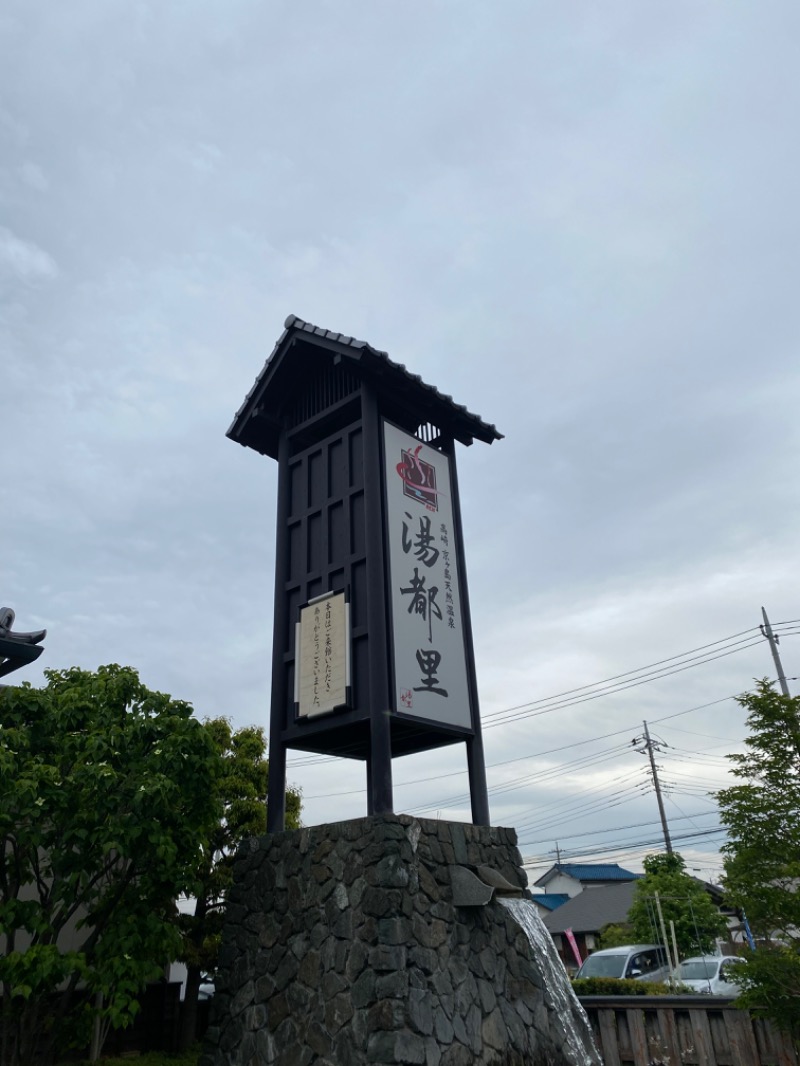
[(373, 362)]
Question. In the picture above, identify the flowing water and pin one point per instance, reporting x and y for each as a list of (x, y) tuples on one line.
[(565, 1010)]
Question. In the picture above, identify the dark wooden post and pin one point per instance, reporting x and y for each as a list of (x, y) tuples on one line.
[(276, 789), (476, 763), (379, 758)]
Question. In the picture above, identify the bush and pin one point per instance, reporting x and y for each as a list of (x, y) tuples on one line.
[(618, 986)]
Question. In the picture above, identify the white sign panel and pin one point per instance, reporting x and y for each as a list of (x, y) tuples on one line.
[(430, 663), (323, 659)]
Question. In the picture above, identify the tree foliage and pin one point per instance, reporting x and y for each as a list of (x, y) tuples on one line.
[(107, 796), (762, 855), (241, 794), (616, 934), (684, 901)]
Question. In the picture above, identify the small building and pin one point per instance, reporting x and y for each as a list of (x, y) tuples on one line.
[(573, 877)]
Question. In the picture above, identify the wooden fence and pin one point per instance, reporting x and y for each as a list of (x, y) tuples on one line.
[(683, 1031)]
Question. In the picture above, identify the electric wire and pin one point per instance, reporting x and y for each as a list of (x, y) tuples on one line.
[(316, 760), (626, 673), (560, 704), (620, 688), (625, 828), (460, 799)]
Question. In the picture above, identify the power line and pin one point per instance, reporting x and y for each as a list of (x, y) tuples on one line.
[(544, 775), (626, 673), (559, 821), (460, 799), (624, 828), (709, 736), (747, 643), (627, 846), (568, 809), (615, 689)]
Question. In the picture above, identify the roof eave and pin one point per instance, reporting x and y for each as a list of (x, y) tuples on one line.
[(438, 407)]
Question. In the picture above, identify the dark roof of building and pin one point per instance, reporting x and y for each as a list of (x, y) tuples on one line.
[(584, 871), (590, 910), (268, 390), (550, 900)]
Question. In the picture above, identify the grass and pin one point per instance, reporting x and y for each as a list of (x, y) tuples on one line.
[(154, 1058)]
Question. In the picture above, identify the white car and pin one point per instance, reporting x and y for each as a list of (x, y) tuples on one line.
[(712, 974)]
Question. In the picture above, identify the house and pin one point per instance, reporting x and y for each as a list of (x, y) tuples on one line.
[(572, 878), (585, 914)]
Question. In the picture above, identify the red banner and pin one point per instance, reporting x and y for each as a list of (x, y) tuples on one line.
[(573, 943)]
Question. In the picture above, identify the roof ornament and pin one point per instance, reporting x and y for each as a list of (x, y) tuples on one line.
[(17, 649)]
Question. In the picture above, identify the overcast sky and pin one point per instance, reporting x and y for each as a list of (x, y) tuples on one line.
[(581, 220)]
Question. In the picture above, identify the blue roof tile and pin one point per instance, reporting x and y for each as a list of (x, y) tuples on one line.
[(610, 871), (550, 900)]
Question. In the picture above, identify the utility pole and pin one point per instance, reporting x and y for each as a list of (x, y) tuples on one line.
[(648, 747), (766, 629)]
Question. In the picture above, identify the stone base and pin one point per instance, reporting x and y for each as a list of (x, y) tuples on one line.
[(343, 947)]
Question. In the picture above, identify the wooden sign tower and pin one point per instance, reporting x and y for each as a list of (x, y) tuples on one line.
[(372, 641)]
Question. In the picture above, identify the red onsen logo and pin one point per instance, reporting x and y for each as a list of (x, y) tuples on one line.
[(419, 478)]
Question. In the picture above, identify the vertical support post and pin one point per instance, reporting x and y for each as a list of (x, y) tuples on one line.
[(766, 629), (276, 789), (657, 786), (476, 762), (664, 940), (379, 761)]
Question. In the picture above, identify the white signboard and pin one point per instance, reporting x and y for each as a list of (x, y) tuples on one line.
[(322, 640), (430, 663)]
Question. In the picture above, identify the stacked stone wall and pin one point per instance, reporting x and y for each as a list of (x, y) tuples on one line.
[(343, 947)]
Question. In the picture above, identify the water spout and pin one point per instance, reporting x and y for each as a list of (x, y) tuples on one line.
[(567, 1011)]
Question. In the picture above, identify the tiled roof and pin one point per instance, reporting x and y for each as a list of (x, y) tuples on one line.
[(609, 871), (550, 900), (589, 911), (378, 364), (585, 871)]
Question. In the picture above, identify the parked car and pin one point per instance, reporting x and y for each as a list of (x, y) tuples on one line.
[(643, 962), (712, 974)]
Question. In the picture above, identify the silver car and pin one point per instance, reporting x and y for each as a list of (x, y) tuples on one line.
[(713, 975), (644, 962)]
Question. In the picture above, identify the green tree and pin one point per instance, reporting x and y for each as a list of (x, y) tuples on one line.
[(106, 798), (762, 855), (616, 934), (241, 793), (684, 901)]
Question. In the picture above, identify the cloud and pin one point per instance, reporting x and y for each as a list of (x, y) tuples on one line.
[(34, 176), (24, 260), (582, 225)]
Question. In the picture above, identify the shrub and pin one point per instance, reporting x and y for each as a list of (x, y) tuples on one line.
[(618, 986)]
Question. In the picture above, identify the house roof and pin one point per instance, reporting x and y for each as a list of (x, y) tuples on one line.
[(257, 422), (550, 900), (584, 871), (589, 911)]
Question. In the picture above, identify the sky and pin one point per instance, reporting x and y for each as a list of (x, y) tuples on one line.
[(581, 221)]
